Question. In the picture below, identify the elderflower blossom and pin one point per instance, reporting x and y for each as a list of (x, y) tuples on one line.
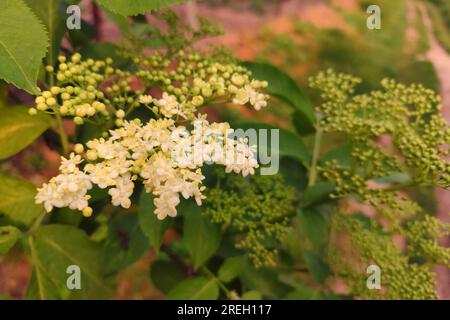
[(165, 157), (249, 94), (168, 105), (68, 189), (145, 99)]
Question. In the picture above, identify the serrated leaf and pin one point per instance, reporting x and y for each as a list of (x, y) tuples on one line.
[(53, 249), (8, 237), (201, 236), (23, 45), (282, 86), (290, 144), (166, 274), (51, 13), (18, 129), (126, 243), (17, 200), (135, 7), (232, 268), (152, 227), (198, 288)]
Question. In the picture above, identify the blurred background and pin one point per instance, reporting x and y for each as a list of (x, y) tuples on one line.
[(301, 37)]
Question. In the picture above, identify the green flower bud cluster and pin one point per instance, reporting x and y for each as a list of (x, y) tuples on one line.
[(390, 205), (396, 129), (196, 80), (257, 208), (95, 91), (423, 240), (401, 278), (78, 92), (408, 116)]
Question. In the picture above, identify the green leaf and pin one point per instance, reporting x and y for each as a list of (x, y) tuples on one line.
[(201, 236), (317, 266), (18, 129), (17, 200), (53, 249), (265, 281), (51, 13), (125, 243), (314, 225), (290, 144), (3, 94), (232, 268), (23, 45), (304, 293), (166, 274), (152, 227), (284, 88), (198, 288), (251, 295), (8, 237), (135, 7), (318, 193)]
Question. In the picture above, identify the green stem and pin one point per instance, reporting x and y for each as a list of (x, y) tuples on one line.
[(37, 267), (37, 223), (316, 151), (207, 272), (401, 186), (62, 134)]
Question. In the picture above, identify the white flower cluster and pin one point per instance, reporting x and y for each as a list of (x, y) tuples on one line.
[(166, 157), (250, 94), (68, 189)]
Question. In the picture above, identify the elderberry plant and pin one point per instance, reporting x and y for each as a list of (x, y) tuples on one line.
[(150, 135)]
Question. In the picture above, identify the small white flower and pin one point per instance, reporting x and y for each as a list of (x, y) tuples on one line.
[(145, 99)]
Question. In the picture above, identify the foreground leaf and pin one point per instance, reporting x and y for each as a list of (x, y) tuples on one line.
[(195, 289), (135, 7), (232, 268), (23, 45), (52, 14), (166, 274), (53, 249), (17, 200), (18, 129), (125, 243), (314, 225), (152, 227), (8, 237), (201, 236)]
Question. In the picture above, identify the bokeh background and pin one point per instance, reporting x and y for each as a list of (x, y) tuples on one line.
[(301, 37)]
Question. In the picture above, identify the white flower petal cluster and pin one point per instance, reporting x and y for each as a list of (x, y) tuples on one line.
[(68, 189), (250, 94), (167, 158)]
